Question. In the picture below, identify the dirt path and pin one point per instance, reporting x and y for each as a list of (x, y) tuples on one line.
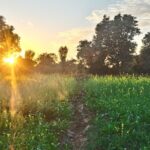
[(76, 134)]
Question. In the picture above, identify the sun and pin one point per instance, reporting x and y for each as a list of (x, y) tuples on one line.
[(9, 60)]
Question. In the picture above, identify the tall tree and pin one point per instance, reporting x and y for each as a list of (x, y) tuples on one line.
[(29, 59), (113, 45), (47, 59), (46, 63), (27, 63), (9, 41), (85, 52), (29, 54), (145, 54), (63, 51), (87, 56), (117, 38)]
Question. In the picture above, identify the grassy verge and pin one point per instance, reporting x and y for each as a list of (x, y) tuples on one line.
[(122, 113), (43, 112)]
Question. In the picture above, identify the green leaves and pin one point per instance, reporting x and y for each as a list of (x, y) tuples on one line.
[(121, 105), (43, 113)]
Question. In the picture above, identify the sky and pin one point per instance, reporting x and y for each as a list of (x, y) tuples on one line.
[(45, 25)]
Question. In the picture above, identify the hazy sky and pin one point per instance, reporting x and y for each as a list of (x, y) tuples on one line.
[(45, 25)]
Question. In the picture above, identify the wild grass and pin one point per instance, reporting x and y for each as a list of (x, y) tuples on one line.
[(42, 111), (121, 106)]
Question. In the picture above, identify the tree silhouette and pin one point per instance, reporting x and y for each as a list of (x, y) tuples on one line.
[(145, 54), (27, 63), (112, 47), (29, 54), (71, 66), (9, 41), (85, 55), (116, 37), (46, 63), (85, 52), (63, 51), (47, 59), (29, 59)]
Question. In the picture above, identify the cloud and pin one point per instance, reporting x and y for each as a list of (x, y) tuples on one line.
[(71, 38), (138, 8), (51, 43), (75, 35)]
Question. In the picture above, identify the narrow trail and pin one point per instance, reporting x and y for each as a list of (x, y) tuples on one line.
[(76, 134)]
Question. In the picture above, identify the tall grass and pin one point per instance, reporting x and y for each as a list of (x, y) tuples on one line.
[(122, 112), (42, 112)]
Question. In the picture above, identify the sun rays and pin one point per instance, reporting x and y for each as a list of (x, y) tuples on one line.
[(9, 60)]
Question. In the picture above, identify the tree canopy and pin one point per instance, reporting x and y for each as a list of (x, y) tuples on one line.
[(9, 41), (145, 54), (112, 50), (47, 59), (112, 46), (63, 51)]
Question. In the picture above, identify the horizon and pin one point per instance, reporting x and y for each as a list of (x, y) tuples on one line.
[(46, 29)]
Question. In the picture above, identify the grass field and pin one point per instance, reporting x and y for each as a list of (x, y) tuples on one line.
[(119, 106), (42, 113)]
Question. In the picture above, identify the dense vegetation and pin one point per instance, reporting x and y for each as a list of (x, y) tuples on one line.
[(121, 112), (111, 51), (43, 112)]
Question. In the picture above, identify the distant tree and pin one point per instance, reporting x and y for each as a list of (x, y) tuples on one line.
[(85, 55), (71, 66), (27, 63), (113, 46), (145, 54), (29, 54), (137, 64), (9, 41), (47, 59), (29, 58), (46, 63), (116, 38), (63, 51), (85, 52)]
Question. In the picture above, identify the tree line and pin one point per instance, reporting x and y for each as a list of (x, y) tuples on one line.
[(112, 50)]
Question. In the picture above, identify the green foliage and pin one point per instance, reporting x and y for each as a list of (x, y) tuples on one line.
[(43, 112), (25, 65), (144, 64), (112, 47), (27, 133), (121, 107), (9, 41), (47, 59), (63, 51)]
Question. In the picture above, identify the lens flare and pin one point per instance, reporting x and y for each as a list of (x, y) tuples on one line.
[(14, 93), (9, 60)]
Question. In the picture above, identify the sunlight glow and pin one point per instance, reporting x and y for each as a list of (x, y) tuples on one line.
[(9, 60), (22, 54)]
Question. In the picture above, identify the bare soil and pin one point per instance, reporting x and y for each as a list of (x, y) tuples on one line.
[(75, 136)]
